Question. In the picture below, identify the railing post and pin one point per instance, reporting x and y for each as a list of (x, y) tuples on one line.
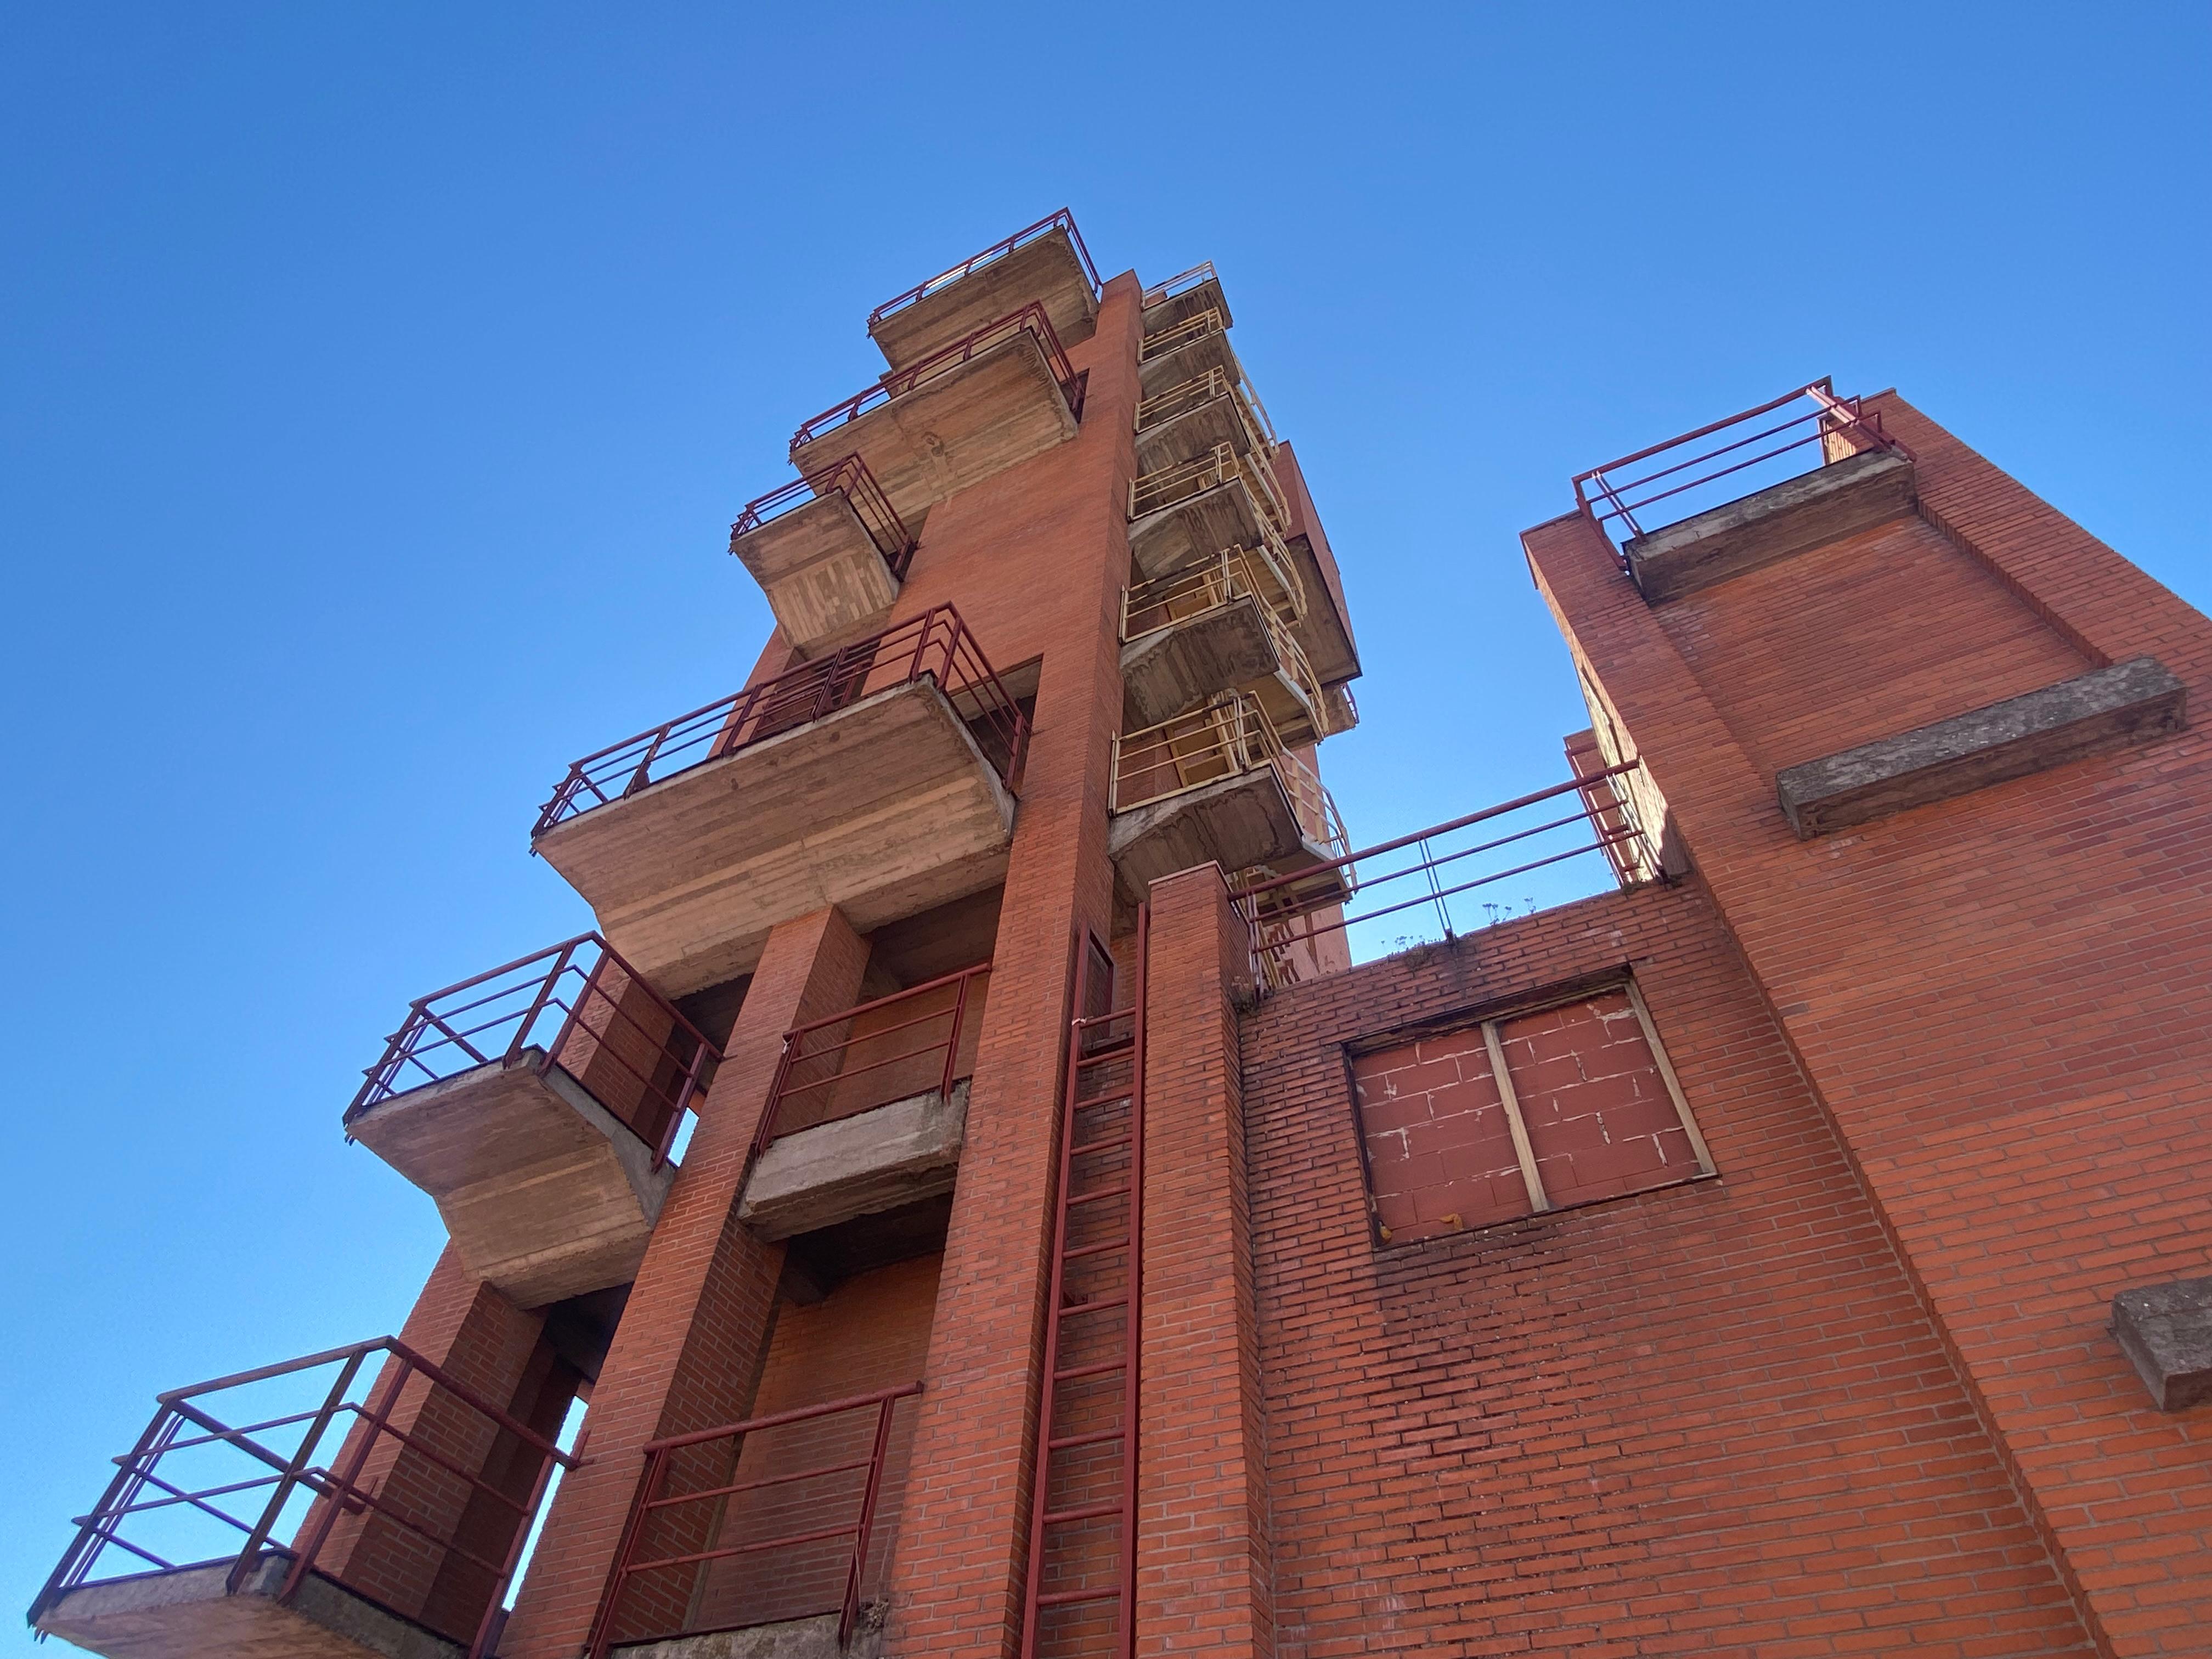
[(300, 1459), (648, 1489), (867, 1520), (952, 1038), (343, 1485), (640, 777), (765, 1136), (516, 1044)]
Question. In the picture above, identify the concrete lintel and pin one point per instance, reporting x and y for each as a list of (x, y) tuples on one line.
[(2166, 1331), (2107, 709), (812, 1637), (873, 1161), (189, 1615), (1794, 516)]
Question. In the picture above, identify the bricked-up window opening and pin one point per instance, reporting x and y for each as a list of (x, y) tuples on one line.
[(1560, 1105)]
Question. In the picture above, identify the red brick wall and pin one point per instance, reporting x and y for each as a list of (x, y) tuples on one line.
[(1709, 1419), (1997, 999)]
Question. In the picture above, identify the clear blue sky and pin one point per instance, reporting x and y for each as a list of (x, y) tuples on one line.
[(377, 384)]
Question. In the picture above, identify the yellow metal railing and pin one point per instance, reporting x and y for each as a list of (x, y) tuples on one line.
[(1201, 389), (1236, 575), (1174, 338), (1229, 738), (1170, 484)]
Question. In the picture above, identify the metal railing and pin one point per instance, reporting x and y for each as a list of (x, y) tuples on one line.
[(850, 478), (1182, 282), (1231, 736), (1200, 389), (892, 1048), (936, 645), (1290, 911), (702, 1454), (1837, 426), (162, 1484), (1030, 318), (1062, 220), (1165, 342), (1168, 486), (585, 1010), (1151, 607)]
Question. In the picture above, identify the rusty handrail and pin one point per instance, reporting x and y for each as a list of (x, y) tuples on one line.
[(1063, 219), (1181, 282), (1030, 318), (850, 478)]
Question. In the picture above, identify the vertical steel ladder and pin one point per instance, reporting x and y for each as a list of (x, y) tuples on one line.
[(1082, 1588)]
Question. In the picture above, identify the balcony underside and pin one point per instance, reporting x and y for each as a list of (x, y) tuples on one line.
[(1210, 349), (1044, 273), (545, 1192), (885, 809), (1185, 665), (185, 1614), (873, 1162), (823, 574), (955, 429), (1194, 434), (1237, 822), (1206, 296), (1321, 632), (1196, 528), (814, 1638)]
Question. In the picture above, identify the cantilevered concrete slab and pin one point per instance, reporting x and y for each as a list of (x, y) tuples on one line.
[(2130, 702), (1238, 822), (1186, 357), (955, 428), (187, 1614), (1197, 527), (826, 579), (1046, 273), (885, 808), (545, 1194), (1203, 297), (1322, 633), (1794, 516), (1195, 432), (870, 1162), (1185, 665)]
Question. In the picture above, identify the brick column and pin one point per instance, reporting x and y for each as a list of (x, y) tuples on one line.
[(464, 1328), (689, 1346), (955, 1582), (1202, 1555)]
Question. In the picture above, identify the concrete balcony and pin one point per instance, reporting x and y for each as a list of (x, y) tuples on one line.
[(1189, 421), (1182, 296), (1190, 512), (880, 778), (290, 1510), (1218, 784), (1215, 628), (869, 1109), (1186, 350), (829, 552), (1045, 264), (536, 1105), (993, 397)]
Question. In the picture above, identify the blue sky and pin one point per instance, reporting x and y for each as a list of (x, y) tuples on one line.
[(377, 384)]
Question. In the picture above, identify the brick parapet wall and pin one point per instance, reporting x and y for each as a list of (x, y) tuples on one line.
[(1995, 996), (1202, 1528), (1710, 1419)]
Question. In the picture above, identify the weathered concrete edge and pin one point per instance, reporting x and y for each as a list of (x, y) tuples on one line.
[(2166, 1331), (2107, 709), (1793, 517)]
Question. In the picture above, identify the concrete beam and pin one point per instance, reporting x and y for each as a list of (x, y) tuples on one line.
[(1792, 517), (2166, 1331), (873, 1161), (2108, 708)]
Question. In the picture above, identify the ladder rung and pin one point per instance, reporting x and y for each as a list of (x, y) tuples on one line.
[(1094, 1307), (1090, 1440), (1062, 1598), (1121, 1244), (1106, 1146), (1086, 1512), (1096, 1370), (1103, 1193)]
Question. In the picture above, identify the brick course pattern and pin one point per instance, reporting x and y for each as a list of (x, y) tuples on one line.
[(1709, 1419)]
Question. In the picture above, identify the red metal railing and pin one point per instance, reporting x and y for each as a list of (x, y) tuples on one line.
[(936, 645), (893, 1049), (1286, 913), (277, 1455), (585, 1010), (652, 1517), (1835, 426), (1030, 317), (850, 478), (1062, 220), (1182, 282)]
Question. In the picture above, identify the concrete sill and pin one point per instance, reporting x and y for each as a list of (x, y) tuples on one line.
[(2129, 704), (1794, 516), (2166, 1331)]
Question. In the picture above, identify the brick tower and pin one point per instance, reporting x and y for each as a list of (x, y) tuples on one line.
[(986, 1213)]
